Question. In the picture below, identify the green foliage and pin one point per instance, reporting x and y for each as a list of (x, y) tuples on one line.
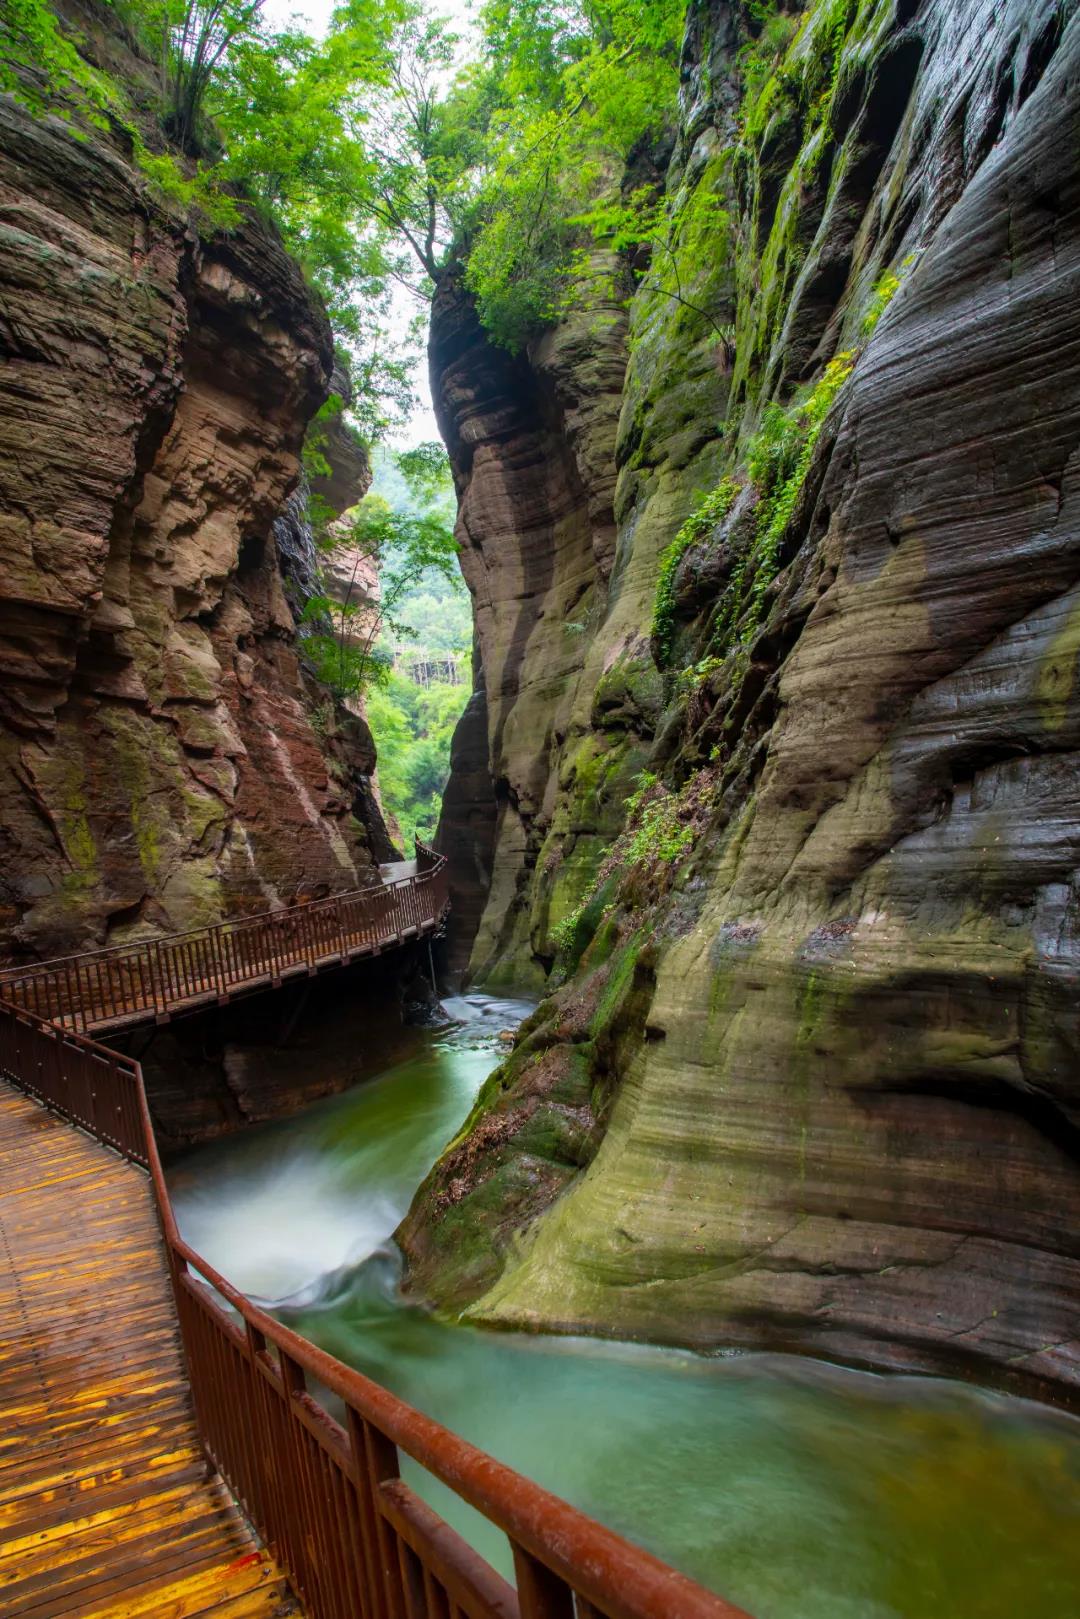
[(426, 470), (197, 192), (701, 522), (759, 60), (679, 237), (780, 469), (698, 673), (273, 118), (341, 629), (413, 727), (377, 163), (655, 836), (314, 461), (658, 836), (361, 645), (778, 460), (295, 120), (568, 93), (192, 41), (413, 724), (564, 936), (41, 67), (886, 287)]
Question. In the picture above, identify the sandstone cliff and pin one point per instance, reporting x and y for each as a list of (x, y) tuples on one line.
[(811, 1077), (158, 761)]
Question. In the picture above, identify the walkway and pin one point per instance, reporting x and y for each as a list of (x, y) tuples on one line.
[(106, 1509), (152, 980), (397, 871), (105, 1504)]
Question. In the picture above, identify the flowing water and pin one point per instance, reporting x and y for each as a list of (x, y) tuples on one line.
[(799, 1490)]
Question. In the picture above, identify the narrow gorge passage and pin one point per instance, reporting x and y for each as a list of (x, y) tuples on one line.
[(800, 1490), (628, 453)]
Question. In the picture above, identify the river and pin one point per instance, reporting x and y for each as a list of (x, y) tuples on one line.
[(798, 1489)]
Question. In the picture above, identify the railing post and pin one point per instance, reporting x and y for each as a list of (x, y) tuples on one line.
[(219, 964), (157, 975), (374, 1606), (541, 1594), (78, 1017), (382, 1466)]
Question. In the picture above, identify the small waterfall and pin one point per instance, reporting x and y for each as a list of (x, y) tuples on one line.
[(747, 1471)]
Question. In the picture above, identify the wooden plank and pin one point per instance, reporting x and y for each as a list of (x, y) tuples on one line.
[(248, 1585), (107, 1509)]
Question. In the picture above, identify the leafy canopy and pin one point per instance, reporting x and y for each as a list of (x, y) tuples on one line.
[(380, 157), (400, 549), (413, 726), (568, 93)]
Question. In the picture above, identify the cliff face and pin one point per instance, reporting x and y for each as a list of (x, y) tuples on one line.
[(811, 1080), (157, 756), (531, 447)]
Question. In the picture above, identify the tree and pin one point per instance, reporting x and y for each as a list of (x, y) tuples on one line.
[(580, 87), (402, 547), (410, 179), (426, 470), (413, 727), (196, 37)]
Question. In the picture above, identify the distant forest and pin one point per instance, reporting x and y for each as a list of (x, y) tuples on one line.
[(413, 724)]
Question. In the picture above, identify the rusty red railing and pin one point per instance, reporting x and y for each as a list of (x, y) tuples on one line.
[(328, 1500), (125, 984)]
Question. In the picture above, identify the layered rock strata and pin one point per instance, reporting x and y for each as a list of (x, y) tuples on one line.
[(531, 447), (812, 1079), (158, 763)]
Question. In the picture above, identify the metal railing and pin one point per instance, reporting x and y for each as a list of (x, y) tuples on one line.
[(328, 1500), (181, 971)]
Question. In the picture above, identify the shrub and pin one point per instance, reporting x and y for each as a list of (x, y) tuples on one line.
[(705, 517)]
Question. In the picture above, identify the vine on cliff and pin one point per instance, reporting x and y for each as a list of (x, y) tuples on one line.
[(661, 827), (778, 461), (710, 512)]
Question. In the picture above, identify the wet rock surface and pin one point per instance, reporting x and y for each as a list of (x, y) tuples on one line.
[(847, 1122), (158, 761)]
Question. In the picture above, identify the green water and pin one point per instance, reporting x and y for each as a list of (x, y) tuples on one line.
[(799, 1490)]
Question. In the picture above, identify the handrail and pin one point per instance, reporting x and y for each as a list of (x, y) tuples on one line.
[(328, 1499), (120, 984)]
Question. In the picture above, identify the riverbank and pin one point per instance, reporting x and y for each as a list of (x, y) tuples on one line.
[(799, 1489)]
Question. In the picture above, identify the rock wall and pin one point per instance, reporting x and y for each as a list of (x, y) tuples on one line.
[(158, 763), (217, 1072), (531, 445), (810, 1079)]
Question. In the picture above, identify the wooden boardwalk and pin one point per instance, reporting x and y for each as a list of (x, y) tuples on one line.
[(106, 1507), (156, 979)]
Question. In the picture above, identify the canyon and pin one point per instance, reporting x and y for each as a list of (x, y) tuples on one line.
[(166, 759), (813, 1083), (767, 788)]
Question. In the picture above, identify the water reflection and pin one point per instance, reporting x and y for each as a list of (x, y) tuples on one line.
[(800, 1490)]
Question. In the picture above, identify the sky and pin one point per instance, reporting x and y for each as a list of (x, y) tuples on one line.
[(315, 15)]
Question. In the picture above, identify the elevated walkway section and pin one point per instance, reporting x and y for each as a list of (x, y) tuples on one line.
[(107, 1507), (156, 1422), (154, 980)]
